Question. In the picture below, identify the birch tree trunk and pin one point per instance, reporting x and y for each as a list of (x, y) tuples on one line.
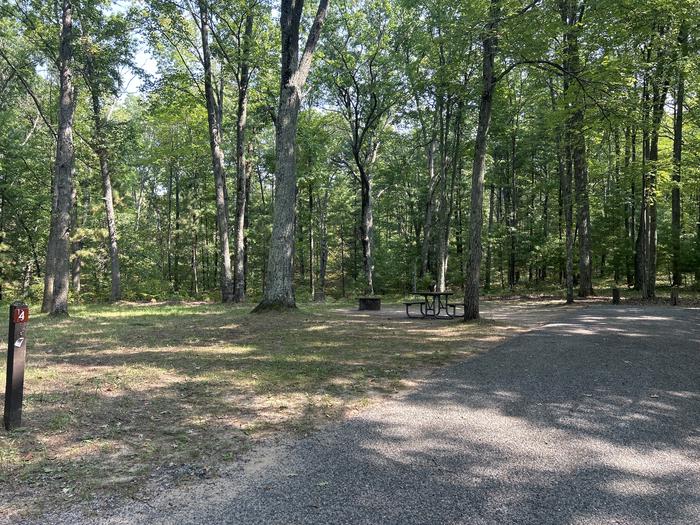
[(490, 45), (60, 234), (217, 157)]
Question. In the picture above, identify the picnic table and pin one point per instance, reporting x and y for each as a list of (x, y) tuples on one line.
[(435, 305)]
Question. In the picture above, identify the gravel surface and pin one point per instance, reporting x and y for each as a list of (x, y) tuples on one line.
[(592, 418)]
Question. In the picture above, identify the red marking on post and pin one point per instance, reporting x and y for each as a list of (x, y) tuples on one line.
[(20, 315)]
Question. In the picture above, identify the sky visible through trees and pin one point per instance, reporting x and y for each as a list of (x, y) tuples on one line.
[(272, 152)]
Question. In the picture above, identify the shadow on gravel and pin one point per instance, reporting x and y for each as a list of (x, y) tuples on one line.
[(596, 420)]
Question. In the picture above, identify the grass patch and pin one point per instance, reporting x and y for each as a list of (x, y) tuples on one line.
[(117, 397)]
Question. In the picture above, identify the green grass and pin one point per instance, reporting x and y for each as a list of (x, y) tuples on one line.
[(118, 396)]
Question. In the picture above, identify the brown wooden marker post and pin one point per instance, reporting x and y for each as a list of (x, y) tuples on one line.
[(16, 357)]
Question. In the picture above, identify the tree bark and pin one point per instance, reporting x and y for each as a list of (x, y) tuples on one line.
[(176, 259), (367, 230), (312, 244), (320, 295), (677, 158), (239, 277), (659, 81), (76, 245), (60, 234), (217, 157), (697, 243), (445, 209), (490, 45), (489, 248), (279, 285), (110, 215), (571, 15), (100, 147), (567, 199), (429, 210)]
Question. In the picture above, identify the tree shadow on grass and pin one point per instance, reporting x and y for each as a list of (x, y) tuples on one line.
[(622, 413), (602, 426), (115, 398)]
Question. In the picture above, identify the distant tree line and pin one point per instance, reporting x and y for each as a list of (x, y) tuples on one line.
[(275, 152)]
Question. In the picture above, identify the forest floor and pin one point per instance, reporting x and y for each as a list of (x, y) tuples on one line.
[(127, 399)]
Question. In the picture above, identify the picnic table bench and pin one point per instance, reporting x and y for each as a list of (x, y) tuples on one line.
[(435, 305)]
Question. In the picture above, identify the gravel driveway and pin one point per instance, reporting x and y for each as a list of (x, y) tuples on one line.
[(594, 418)]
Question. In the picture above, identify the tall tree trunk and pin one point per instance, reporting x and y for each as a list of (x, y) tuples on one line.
[(512, 220), (242, 172), (490, 44), (489, 247), (194, 288), (176, 259), (448, 213), (444, 210), (50, 270), (342, 259), (459, 230), (367, 229), (571, 14), (660, 86), (116, 291), (60, 233), (697, 244), (640, 252), (100, 147), (320, 295), (562, 179), (279, 286), (545, 224), (312, 247), (677, 157), (76, 246), (629, 208), (567, 198), (217, 157), (584, 214), (169, 243), (246, 217), (566, 212), (429, 210)]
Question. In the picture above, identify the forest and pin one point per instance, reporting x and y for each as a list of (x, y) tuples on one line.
[(264, 152)]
